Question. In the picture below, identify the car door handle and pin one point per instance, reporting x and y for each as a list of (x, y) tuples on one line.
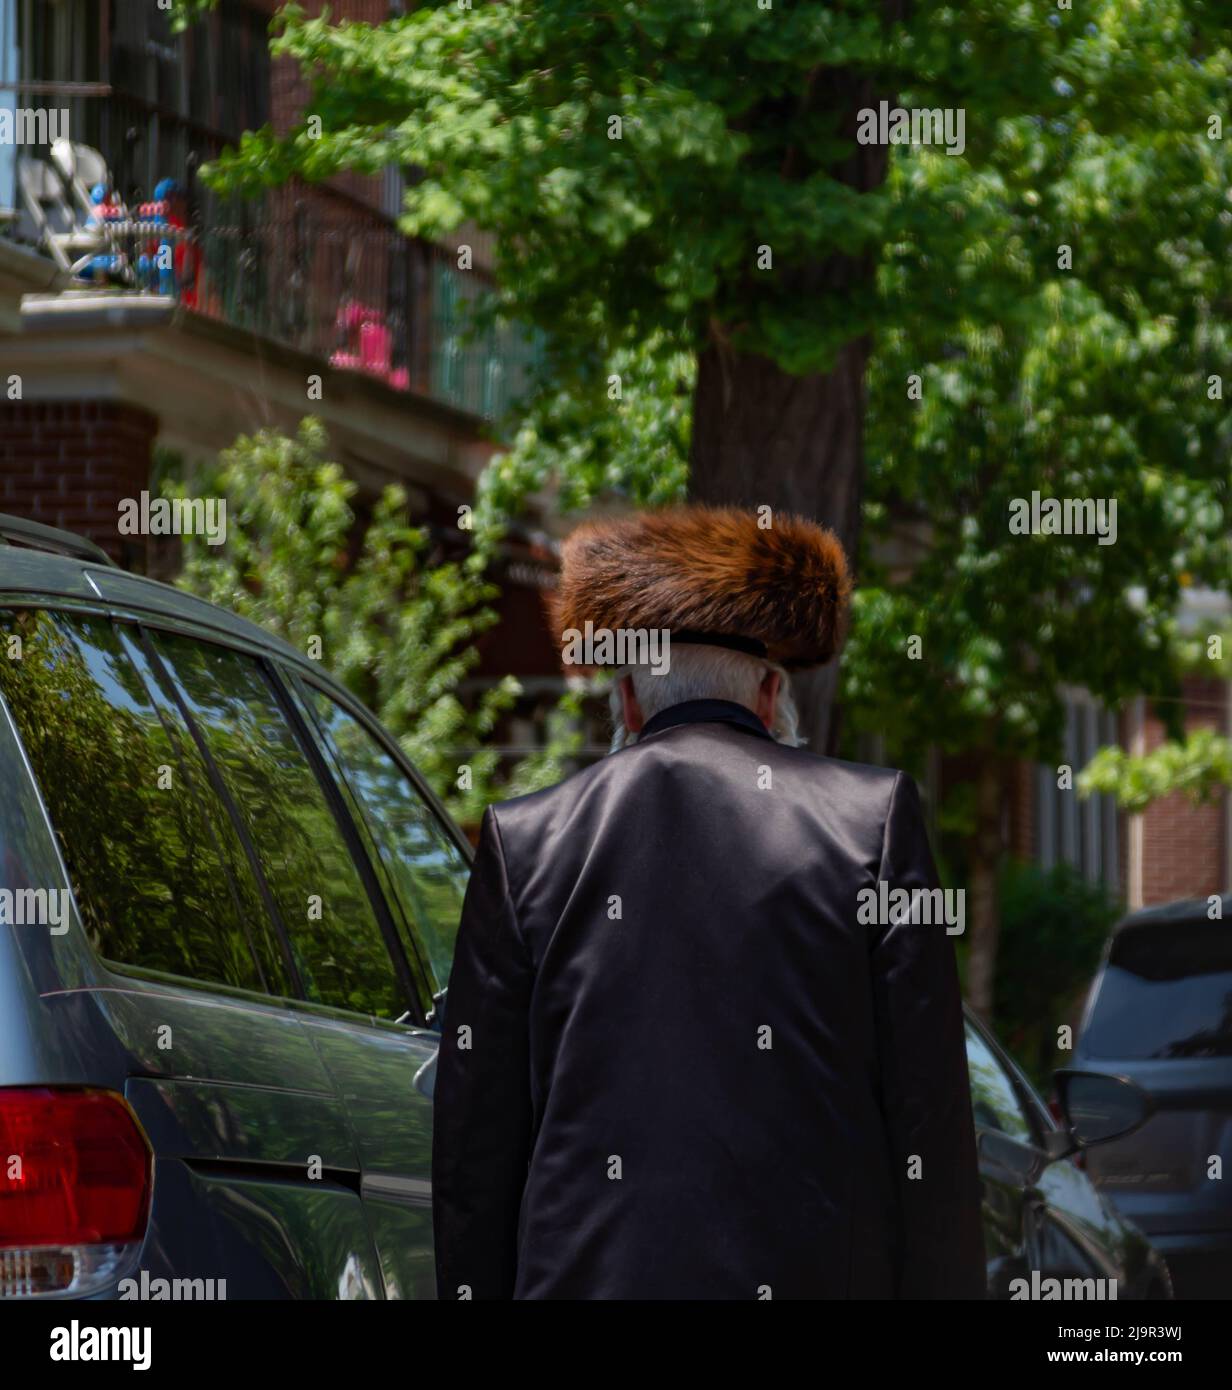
[(425, 1077)]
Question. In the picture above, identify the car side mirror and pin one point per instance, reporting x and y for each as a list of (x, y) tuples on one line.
[(1098, 1107)]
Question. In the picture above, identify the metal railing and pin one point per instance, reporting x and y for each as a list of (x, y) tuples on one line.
[(312, 266)]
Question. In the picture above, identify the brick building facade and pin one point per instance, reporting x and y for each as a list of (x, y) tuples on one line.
[(1182, 849), (1176, 848), (310, 286)]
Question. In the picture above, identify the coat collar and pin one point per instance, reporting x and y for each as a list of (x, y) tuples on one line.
[(705, 712)]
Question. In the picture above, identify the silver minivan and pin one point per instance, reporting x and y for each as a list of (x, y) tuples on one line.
[(227, 904)]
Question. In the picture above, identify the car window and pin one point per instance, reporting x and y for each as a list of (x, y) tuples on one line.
[(324, 907), (156, 867), (426, 868), (994, 1101), (1165, 992)]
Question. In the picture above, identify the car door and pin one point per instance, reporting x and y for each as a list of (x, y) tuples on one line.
[(168, 986), (423, 867)]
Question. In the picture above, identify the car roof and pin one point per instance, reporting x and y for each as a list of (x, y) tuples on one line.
[(34, 574), (1173, 914)]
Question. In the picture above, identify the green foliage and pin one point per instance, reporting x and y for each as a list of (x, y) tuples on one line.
[(186, 12), (590, 446), (395, 624), (1205, 654), (1199, 765), (1082, 383), (735, 134), (553, 761), (1053, 928), (1086, 129)]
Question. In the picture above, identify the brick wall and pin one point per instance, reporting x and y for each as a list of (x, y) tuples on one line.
[(1184, 845), (69, 463)]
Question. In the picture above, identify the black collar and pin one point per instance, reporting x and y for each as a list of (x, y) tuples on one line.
[(705, 712)]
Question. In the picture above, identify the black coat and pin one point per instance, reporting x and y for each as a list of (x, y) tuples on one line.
[(676, 1065)]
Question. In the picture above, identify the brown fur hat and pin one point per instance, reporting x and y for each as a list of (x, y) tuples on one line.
[(711, 570)]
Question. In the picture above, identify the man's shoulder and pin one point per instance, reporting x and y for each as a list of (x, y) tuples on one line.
[(535, 806), (870, 775), (838, 775), (867, 786)]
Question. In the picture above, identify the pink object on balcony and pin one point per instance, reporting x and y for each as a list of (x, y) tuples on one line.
[(354, 315), (400, 379), (374, 348), (347, 360)]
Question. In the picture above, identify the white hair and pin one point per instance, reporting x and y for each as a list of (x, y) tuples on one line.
[(699, 672)]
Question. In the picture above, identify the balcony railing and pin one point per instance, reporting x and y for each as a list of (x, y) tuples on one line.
[(312, 266)]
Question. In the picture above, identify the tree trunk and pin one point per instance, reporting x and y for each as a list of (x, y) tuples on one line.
[(796, 443), (983, 872)]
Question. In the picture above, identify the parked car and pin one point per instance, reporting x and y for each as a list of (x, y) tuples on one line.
[(1160, 1012), (230, 902), (228, 907), (1042, 1216)]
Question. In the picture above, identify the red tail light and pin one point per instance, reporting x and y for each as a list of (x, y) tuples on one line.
[(75, 1178)]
